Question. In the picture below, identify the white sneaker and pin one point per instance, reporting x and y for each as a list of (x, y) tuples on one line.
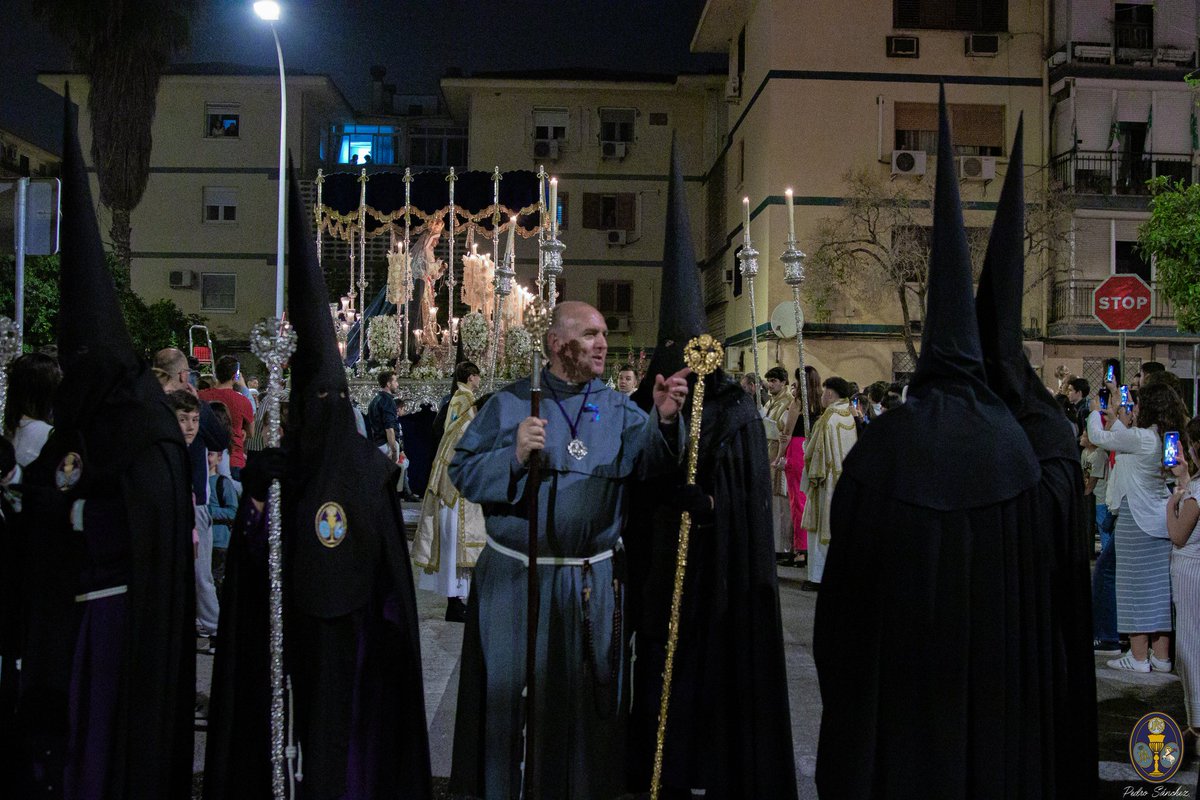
[(1160, 666), (1129, 663)]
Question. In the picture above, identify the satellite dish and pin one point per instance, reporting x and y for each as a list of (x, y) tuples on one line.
[(783, 320)]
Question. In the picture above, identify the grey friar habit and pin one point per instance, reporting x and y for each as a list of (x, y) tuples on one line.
[(581, 505)]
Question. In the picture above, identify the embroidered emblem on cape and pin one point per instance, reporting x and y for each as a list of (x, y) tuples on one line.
[(69, 471), (331, 524)]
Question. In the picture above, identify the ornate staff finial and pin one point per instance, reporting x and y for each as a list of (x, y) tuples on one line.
[(748, 258), (793, 275)]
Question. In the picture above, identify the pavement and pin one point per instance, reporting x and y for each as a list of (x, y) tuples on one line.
[(1123, 698)]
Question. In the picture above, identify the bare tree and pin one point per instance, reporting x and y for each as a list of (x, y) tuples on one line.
[(876, 251)]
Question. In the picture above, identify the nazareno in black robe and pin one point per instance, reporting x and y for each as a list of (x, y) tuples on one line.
[(729, 722)]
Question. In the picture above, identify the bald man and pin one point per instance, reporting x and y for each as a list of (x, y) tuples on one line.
[(593, 443)]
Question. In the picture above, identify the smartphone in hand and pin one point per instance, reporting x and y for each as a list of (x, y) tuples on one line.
[(1124, 390), (1110, 375), (1171, 452), (1102, 395)]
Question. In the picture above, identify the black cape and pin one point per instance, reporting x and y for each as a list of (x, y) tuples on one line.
[(729, 726)]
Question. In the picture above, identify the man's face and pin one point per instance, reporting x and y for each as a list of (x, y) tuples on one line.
[(1074, 395), (473, 382), (401, 409), (580, 344), (626, 381), (829, 397), (775, 386), (748, 386), (189, 423), (393, 385)]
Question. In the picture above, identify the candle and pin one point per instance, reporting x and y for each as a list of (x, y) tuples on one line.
[(791, 215), (512, 229), (553, 207), (542, 193), (746, 209)]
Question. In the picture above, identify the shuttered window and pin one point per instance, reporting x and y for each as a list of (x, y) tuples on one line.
[(978, 130), (951, 15), (608, 212)]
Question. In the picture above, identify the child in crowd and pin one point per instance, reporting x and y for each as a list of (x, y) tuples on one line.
[(187, 410), (223, 498), (1183, 522)]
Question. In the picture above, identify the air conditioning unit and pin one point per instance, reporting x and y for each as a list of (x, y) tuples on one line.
[(908, 162), (617, 324), (612, 150), (545, 148), (982, 44), (903, 47), (733, 88), (1036, 352), (977, 168), (182, 279), (616, 236)]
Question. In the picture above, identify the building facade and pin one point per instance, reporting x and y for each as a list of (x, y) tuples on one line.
[(1120, 114), (21, 158), (204, 233)]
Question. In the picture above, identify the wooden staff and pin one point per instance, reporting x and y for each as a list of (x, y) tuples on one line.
[(537, 323), (703, 354)]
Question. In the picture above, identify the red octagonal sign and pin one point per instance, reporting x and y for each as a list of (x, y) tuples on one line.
[(1122, 303)]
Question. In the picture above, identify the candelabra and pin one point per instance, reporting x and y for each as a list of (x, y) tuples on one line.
[(504, 284), (748, 257), (793, 275), (344, 317)]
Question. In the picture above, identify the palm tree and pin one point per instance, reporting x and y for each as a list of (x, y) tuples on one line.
[(123, 46)]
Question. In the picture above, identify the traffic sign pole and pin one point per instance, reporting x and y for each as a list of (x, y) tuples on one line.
[(19, 287)]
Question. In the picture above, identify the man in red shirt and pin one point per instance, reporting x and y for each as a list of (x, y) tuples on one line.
[(228, 392)]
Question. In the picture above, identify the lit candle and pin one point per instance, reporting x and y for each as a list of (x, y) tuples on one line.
[(511, 246), (553, 207), (746, 209), (791, 215)]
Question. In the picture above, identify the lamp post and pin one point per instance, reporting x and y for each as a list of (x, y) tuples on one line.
[(269, 10)]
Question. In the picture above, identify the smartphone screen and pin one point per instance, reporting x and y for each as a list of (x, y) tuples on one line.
[(1110, 375), (1125, 401), (1171, 449), (1103, 395)]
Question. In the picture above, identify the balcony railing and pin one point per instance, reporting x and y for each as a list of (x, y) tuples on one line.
[(1134, 47), (1107, 173), (1071, 303)]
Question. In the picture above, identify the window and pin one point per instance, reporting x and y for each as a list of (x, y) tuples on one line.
[(978, 129), (367, 144), (614, 298), (608, 212), (1129, 261), (616, 124), (220, 204), (951, 15), (562, 210), (550, 123), (658, 118), (437, 147), (221, 121), (218, 291)]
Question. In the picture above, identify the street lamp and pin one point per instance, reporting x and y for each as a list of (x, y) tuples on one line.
[(269, 11)]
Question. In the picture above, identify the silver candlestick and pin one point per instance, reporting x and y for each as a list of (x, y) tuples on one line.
[(10, 348), (552, 265), (503, 284), (274, 341), (793, 275), (748, 257), (362, 272)]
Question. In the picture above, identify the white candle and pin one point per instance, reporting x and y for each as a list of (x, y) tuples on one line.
[(512, 229), (791, 215), (553, 206), (746, 209)]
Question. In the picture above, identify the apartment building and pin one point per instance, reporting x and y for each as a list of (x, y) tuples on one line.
[(21, 158), (819, 89), (1120, 113), (606, 136), (204, 233)]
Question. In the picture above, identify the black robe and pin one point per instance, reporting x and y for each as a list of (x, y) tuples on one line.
[(138, 520), (729, 724), (351, 643)]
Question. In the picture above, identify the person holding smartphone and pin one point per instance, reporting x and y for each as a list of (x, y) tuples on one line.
[(1143, 549), (1183, 521)]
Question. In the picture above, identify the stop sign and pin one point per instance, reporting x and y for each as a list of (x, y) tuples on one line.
[(1122, 303)]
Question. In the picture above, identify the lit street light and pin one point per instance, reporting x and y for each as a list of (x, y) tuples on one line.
[(269, 11)]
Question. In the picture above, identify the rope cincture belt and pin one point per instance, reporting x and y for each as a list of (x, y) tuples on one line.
[(548, 561), (99, 594)]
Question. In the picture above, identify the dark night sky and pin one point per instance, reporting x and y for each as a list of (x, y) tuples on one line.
[(416, 40)]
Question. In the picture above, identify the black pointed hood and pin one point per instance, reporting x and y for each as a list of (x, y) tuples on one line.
[(89, 318), (925, 453), (681, 307), (998, 308)]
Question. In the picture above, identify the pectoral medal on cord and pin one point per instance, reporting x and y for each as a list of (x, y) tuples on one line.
[(703, 354), (575, 447)]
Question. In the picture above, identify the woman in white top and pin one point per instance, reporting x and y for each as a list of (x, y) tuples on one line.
[(32, 381), (1183, 524), (1142, 547)]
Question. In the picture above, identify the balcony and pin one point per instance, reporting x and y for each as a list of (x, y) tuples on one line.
[(1071, 308), (1103, 172), (1132, 45)]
